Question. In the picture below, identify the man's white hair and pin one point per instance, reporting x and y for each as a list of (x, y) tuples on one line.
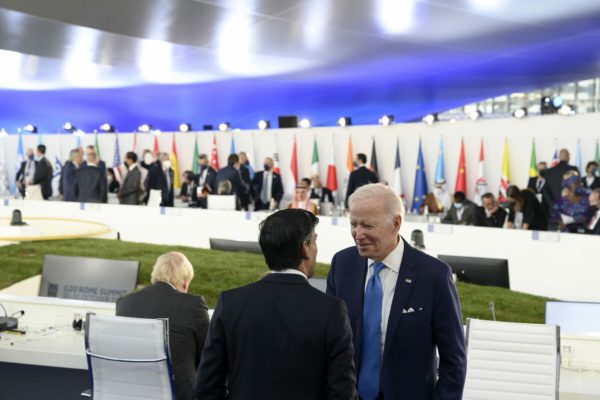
[(173, 268), (380, 196)]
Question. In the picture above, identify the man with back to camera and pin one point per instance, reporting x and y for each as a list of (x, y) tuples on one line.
[(89, 151), (43, 173), (402, 305), (231, 173), (279, 338), (90, 184), (167, 297), (554, 176), (360, 176)]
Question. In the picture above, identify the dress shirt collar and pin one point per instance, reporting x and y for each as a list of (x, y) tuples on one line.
[(290, 271), (393, 260), (132, 166), (168, 283)]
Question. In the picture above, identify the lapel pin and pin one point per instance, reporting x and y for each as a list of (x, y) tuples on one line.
[(408, 280)]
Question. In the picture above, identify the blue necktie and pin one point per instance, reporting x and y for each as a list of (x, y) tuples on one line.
[(370, 362)]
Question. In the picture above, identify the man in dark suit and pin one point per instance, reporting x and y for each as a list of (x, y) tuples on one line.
[(67, 176), (593, 221), (461, 212), (160, 177), (267, 187), (131, 189), (231, 173), (360, 176), (490, 214), (43, 173), (90, 183), (318, 191), (279, 338), (402, 305), (590, 180), (246, 178), (89, 151), (167, 297), (204, 182), (554, 176), (539, 186), (26, 172)]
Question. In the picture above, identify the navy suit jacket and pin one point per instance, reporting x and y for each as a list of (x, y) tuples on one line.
[(409, 360)]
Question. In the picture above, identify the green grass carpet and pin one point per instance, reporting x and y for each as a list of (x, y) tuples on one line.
[(216, 271)]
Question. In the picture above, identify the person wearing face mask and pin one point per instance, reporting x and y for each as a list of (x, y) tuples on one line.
[(593, 220), (267, 187), (591, 181), (168, 192), (131, 190), (67, 177), (26, 171), (537, 185), (461, 212), (204, 182), (43, 173)]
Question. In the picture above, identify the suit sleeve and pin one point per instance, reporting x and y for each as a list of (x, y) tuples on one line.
[(350, 189), (277, 189), (448, 334), (211, 378), (331, 278), (42, 172), (341, 374), (201, 322), (103, 188)]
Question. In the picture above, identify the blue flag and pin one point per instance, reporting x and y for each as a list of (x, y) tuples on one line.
[(420, 191), (440, 174), (20, 159), (232, 146)]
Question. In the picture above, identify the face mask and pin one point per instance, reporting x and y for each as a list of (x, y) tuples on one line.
[(542, 173), (267, 167), (203, 167), (38, 158), (594, 171), (31, 157), (166, 164), (148, 159), (458, 205)]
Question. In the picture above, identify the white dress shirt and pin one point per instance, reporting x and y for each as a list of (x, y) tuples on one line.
[(388, 277), (290, 271)]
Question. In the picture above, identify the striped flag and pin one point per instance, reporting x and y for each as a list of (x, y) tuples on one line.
[(554, 158), (155, 148), (4, 180), (314, 166), (533, 161), (481, 186), (276, 168), (214, 159), (373, 166), (461, 174), (505, 178), (134, 146), (397, 179), (331, 183), (20, 159), (175, 164), (117, 160)]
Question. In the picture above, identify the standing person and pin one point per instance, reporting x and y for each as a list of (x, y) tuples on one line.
[(245, 174), (231, 173), (113, 182), (168, 188), (67, 179), (360, 176), (591, 181), (525, 211), (26, 171), (267, 187), (541, 189), (204, 182), (90, 183), (168, 298), (131, 190), (402, 303), (89, 151), (593, 221), (279, 338), (570, 212), (554, 176), (43, 173)]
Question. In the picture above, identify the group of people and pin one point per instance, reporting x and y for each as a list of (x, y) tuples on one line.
[(389, 327), (558, 198)]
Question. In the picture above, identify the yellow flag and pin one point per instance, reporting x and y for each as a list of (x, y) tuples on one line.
[(174, 165)]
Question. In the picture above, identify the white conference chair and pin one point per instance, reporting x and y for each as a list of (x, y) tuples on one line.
[(516, 361), (128, 358)]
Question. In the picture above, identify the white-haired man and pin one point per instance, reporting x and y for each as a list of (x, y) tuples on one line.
[(402, 304), (167, 297)]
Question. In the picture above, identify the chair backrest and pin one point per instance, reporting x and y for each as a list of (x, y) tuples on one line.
[(221, 202), (516, 361), (128, 358)]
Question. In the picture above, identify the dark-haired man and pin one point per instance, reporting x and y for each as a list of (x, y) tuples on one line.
[(204, 183), (131, 189), (279, 338), (490, 214), (231, 173), (360, 176), (267, 187), (462, 211), (43, 172)]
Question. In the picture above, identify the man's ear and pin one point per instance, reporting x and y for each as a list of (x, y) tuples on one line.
[(304, 250), (397, 222)]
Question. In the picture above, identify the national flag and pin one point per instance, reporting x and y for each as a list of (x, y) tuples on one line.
[(57, 170), (195, 166), (505, 179), (4, 180), (597, 157), (397, 180), (134, 147), (175, 165), (420, 190), (155, 148), (350, 156), (533, 173), (314, 166), (77, 141), (232, 146), (250, 156), (481, 186), (578, 161), (276, 168), (294, 164), (20, 159), (373, 166), (40, 140), (461, 174), (331, 170), (97, 145), (440, 171), (214, 159), (117, 160), (554, 158)]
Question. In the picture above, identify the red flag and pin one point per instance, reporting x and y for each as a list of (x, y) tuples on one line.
[(331, 172), (214, 159), (461, 176), (350, 157), (276, 168), (155, 144), (134, 147), (294, 164)]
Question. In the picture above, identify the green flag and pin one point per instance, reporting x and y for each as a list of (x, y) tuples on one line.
[(195, 158), (533, 163), (597, 158), (97, 147), (315, 159)]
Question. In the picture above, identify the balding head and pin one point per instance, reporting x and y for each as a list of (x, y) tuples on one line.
[(380, 195)]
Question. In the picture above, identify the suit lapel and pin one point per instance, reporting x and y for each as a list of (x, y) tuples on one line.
[(360, 274), (406, 281)]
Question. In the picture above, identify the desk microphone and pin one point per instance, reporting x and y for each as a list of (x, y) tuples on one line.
[(7, 323)]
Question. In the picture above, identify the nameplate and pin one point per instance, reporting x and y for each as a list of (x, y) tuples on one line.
[(550, 237), (5, 202), (82, 206), (248, 215), (442, 229), (334, 221), (92, 207), (171, 211)]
